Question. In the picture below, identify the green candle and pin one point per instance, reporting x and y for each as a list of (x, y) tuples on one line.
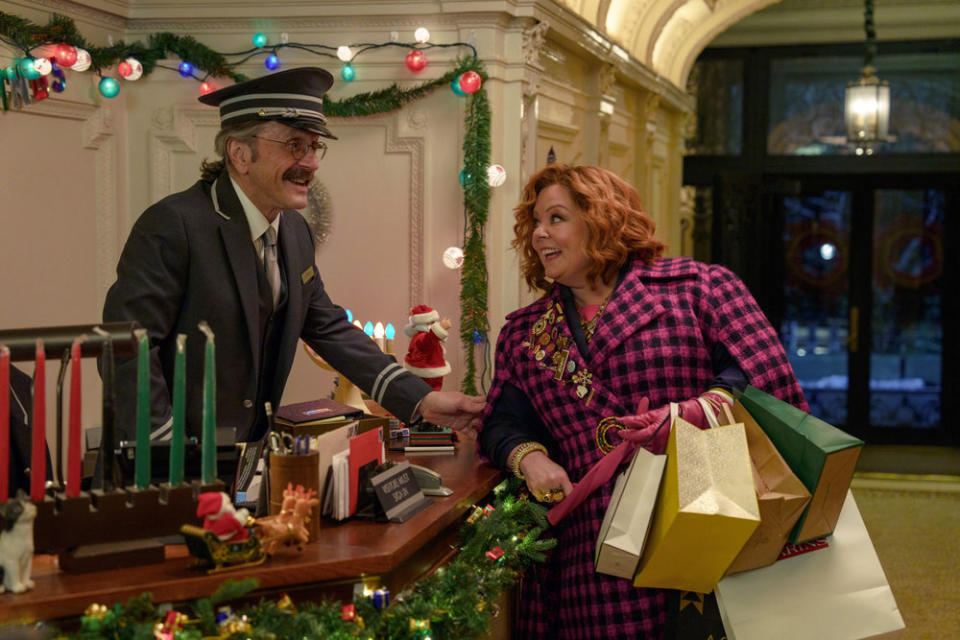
[(142, 462), (208, 416), (179, 409)]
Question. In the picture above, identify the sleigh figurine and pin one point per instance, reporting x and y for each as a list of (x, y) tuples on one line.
[(216, 555)]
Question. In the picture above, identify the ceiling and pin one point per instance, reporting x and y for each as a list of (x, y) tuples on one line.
[(667, 35)]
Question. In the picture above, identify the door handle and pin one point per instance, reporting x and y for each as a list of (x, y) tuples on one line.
[(853, 334)]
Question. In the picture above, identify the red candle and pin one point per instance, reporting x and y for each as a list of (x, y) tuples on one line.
[(74, 453), (4, 423), (38, 457)]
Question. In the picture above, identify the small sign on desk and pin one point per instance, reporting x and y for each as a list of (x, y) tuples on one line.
[(399, 493)]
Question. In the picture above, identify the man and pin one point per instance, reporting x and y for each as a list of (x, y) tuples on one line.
[(230, 250)]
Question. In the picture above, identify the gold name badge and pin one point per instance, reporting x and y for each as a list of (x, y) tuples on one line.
[(307, 275)]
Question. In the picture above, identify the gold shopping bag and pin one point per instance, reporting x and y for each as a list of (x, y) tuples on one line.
[(780, 495), (822, 456), (706, 511)]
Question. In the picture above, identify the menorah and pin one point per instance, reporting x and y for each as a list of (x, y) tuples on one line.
[(113, 525)]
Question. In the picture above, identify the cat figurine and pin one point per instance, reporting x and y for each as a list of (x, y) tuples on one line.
[(16, 545)]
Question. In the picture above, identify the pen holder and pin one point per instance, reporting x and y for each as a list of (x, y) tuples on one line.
[(301, 470)]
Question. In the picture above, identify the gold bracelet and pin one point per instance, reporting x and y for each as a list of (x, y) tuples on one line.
[(520, 453)]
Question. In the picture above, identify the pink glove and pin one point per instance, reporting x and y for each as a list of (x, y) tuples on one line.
[(690, 410)]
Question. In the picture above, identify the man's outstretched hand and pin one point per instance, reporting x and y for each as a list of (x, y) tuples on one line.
[(452, 409)]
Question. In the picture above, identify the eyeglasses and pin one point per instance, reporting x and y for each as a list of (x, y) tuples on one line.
[(298, 148)]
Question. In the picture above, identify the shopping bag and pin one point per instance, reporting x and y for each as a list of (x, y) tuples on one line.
[(822, 456), (706, 510), (781, 496), (838, 592), (629, 514)]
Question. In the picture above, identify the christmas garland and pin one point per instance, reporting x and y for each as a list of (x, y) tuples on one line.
[(497, 544), (474, 327)]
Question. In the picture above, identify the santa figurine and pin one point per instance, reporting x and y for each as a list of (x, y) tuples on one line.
[(425, 357), (220, 516)]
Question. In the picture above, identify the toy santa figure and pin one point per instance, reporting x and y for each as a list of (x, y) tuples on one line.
[(425, 357), (220, 516)]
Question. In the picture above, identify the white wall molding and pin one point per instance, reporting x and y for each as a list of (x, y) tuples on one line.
[(173, 131), (414, 147)]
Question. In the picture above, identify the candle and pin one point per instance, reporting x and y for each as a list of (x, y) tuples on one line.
[(4, 422), (38, 450), (208, 415), (142, 458), (179, 410), (74, 448), (378, 336), (108, 467)]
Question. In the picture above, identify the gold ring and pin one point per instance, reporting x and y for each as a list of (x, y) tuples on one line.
[(544, 497), (556, 495)]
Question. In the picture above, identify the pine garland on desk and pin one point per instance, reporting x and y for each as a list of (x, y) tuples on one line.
[(497, 544)]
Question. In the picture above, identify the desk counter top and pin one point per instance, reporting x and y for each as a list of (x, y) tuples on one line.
[(342, 554)]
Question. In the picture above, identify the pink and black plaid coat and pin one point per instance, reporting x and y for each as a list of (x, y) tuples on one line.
[(654, 340)]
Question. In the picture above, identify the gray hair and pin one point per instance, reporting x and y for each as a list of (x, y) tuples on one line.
[(244, 132)]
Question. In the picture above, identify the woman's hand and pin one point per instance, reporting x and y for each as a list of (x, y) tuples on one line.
[(547, 481)]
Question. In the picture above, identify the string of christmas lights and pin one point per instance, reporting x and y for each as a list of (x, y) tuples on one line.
[(51, 49)]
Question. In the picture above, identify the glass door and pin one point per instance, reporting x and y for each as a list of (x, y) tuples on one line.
[(863, 313), (815, 326), (906, 347)]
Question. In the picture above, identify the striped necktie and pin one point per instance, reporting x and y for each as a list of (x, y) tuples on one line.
[(270, 264)]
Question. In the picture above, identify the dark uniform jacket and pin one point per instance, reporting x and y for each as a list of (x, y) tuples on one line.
[(190, 257)]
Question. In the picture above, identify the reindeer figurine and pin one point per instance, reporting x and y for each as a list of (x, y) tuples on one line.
[(289, 527), (16, 545)]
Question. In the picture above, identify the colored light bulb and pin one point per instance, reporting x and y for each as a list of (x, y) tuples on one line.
[(109, 88), (259, 40)]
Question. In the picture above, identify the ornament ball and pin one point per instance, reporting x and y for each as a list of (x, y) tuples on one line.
[(470, 81), (136, 69), (109, 88), (496, 175), (66, 55), (453, 258), (83, 60), (416, 60)]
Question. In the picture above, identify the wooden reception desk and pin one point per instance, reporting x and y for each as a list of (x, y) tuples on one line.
[(343, 554)]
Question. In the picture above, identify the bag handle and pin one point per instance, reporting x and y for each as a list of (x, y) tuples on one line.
[(708, 411), (604, 469)]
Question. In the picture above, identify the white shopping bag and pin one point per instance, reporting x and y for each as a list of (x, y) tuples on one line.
[(629, 514), (836, 593)]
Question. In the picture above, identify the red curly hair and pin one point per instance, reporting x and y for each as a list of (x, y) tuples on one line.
[(618, 229)]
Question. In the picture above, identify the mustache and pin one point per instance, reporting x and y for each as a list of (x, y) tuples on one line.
[(298, 173)]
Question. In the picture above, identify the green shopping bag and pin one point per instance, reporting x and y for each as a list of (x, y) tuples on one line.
[(822, 456)]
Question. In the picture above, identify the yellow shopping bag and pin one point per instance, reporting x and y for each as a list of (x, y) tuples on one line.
[(706, 511)]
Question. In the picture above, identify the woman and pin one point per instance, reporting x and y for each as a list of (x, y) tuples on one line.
[(619, 329)]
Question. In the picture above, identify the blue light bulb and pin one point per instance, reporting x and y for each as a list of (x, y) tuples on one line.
[(389, 333), (368, 328), (185, 69), (272, 62), (349, 315), (109, 88)]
